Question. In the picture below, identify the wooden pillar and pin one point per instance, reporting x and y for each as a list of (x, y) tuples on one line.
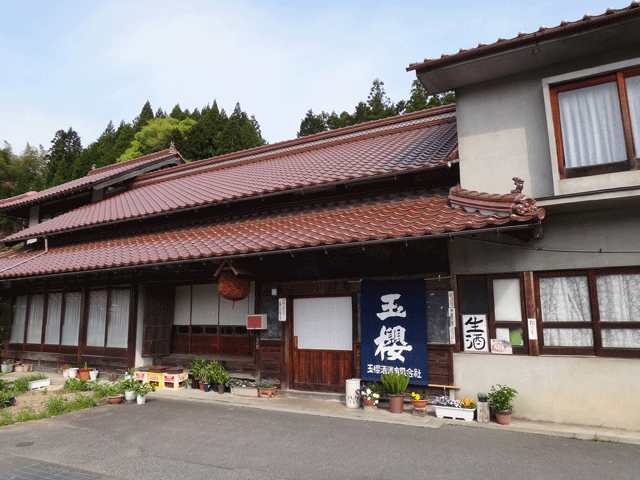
[(532, 316), (482, 412)]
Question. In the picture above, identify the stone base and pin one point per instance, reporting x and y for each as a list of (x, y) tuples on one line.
[(420, 412)]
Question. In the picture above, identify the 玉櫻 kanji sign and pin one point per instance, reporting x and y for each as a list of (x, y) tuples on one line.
[(394, 329)]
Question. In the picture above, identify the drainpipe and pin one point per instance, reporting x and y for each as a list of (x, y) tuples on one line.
[(46, 250)]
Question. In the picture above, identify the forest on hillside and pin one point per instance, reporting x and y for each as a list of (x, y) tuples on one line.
[(200, 134)]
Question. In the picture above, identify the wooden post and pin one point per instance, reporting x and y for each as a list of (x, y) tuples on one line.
[(483, 412)]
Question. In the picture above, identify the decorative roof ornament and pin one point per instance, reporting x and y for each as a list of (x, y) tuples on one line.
[(172, 149), (519, 184), (515, 205)]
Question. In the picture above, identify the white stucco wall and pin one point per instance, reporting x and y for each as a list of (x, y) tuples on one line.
[(575, 390)]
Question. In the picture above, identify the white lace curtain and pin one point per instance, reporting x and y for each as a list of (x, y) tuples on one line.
[(633, 95), (591, 124), (619, 301), (118, 331), (71, 325), (97, 318), (19, 320), (566, 299), (36, 311), (54, 312)]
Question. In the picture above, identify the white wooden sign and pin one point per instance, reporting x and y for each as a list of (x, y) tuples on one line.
[(533, 330), (475, 333), (282, 309)]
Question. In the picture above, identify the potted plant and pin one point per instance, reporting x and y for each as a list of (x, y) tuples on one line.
[(129, 385), (142, 389), (114, 392), (370, 395), (501, 399), (196, 369), (65, 370), (7, 365), (266, 389), (224, 379), (243, 388), (446, 407), (419, 400), (483, 397), (83, 372), (395, 383)]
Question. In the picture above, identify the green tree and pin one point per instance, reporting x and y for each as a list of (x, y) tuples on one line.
[(239, 133), (30, 166), (61, 157), (156, 136), (146, 115), (312, 123)]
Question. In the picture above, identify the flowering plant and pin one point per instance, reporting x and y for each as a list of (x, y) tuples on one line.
[(418, 396), (445, 401), (371, 392)]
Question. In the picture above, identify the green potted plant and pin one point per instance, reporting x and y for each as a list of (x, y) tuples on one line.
[(83, 372), (395, 383), (129, 385), (196, 370), (142, 389), (114, 392), (266, 389), (501, 399), (370, 394), (7, 365), (224, 379)]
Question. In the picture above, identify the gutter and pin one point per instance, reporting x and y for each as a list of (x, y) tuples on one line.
[(46, 250), (292, 252)]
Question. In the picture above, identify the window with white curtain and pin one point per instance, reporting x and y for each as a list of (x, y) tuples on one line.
[(596, 312), (72, 315), (597, 124), (36, 312), (19, 319), (118, 328), (54, 313), (97, 320)]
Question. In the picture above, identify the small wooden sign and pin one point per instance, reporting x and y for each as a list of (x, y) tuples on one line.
[(257, 322)]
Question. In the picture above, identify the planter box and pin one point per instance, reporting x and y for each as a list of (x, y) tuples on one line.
[(45, 382), (455, 413), (244, 391)]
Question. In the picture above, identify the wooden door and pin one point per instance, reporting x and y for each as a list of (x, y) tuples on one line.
[(322, 343), (158, 320)]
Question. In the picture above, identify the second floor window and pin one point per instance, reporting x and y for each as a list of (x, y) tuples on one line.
[(597, 124)]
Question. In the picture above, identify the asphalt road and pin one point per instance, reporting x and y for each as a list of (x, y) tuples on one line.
[(176, 439)]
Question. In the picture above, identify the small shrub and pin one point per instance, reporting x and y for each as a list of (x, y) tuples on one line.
[(83, 401), (25, 415), (55, 405), (5, 395), (21, 385), (5, 418), (77, 385)]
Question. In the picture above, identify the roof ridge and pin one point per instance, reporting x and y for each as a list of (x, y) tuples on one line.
[(564, 28), (364, 130), (167, 151)]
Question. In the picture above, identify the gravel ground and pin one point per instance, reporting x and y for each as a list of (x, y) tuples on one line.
[(37, 399)]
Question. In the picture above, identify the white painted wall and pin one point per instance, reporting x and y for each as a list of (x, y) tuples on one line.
[(580, 390)]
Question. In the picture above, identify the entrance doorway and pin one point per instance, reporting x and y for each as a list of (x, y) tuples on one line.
[(322, 343)]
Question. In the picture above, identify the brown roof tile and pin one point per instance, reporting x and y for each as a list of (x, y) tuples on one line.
[(420, 140), (344, 222), (95, 176)]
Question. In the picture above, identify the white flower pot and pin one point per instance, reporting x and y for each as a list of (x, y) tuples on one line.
[(65, 373), (73, 372), (7, 367), (455, 413), (129, 395), (93, 374), (141, 399)]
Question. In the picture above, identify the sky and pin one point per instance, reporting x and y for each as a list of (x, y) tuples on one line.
[(80, 64)]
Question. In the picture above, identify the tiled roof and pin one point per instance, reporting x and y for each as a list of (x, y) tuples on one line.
[(565, 28), (408, 142), (94, 177), (344, 222)]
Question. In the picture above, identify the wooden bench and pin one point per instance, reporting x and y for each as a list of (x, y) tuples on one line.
[(448, 390)]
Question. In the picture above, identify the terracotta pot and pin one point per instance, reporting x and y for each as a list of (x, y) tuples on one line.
[(266, 392), (396, 403), (116, 399), (369, 402), (419, 403), (83, 373), (201, 384), (503, 418)]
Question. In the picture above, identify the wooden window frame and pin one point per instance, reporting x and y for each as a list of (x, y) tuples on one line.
[(491, 315), (595, 325), (632, 162)]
